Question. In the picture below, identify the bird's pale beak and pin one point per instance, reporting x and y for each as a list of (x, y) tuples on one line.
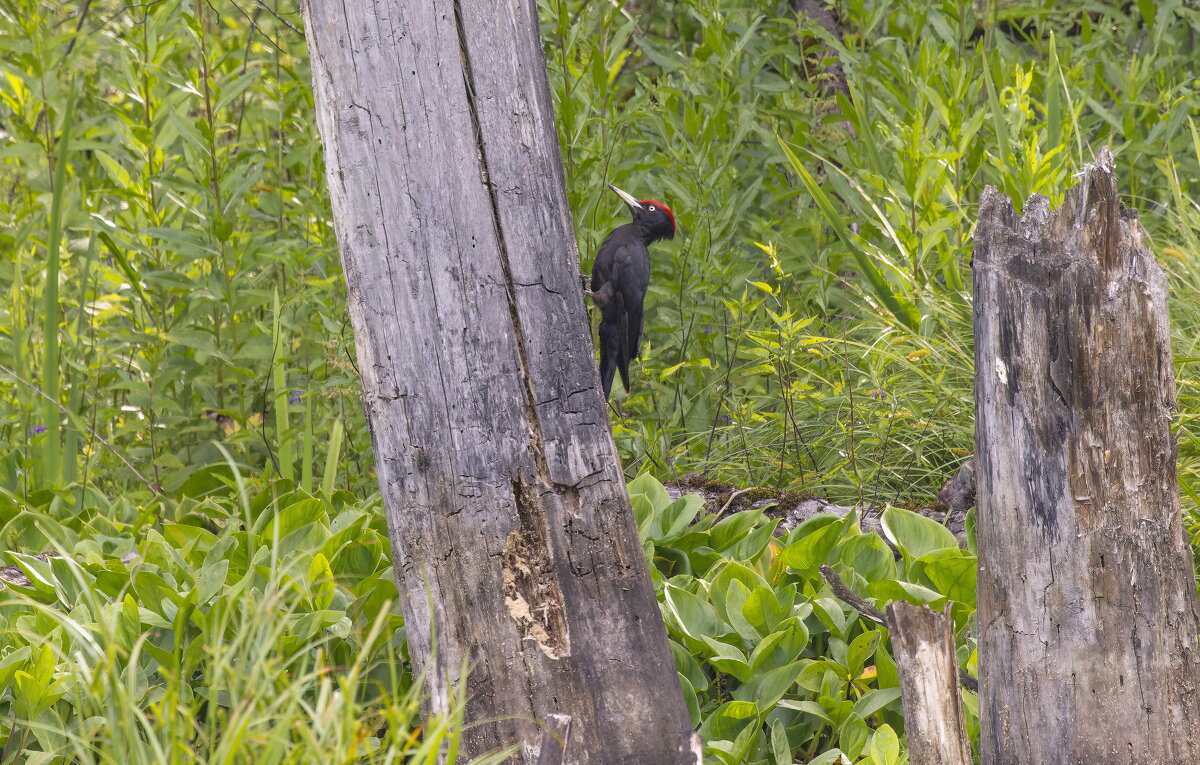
[(626, 198)]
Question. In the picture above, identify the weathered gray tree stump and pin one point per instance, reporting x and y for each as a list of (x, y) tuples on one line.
[(1087, 598), (515, 549), (934, 723)]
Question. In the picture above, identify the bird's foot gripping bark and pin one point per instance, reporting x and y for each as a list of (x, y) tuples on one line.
[(585, 282)]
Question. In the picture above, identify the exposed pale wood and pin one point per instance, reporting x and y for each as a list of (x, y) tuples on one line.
[(1087, 597), (514, 543), (933, 713)]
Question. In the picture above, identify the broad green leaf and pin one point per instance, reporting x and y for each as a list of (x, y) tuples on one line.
[(744, 743), (735, 601), (861, 649), (885, 746), (762, 610), (830, 757), (820, 520), (780, 647), (679, 514), (807, 707), (868, 555), (694, 615), (913, 534), (37, 571), (953, 572), (852, 738), (729, 530), (781, 750), (886, 675), (893, 589), (690, 699), (688, 666), (643, 513), (289, 519), (748, 547), (11, 663), (649, 487), (726, 721), (829, 611), (813, 550), (729, 659), (767, 688), (729, 571), (35, 690), (211, 580), (320, 578), (129, 622), (874, 700)]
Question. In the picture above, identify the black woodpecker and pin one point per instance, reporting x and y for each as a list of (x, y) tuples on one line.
[(620, 276)]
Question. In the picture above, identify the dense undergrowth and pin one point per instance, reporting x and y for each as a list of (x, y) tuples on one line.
[(180, 423)]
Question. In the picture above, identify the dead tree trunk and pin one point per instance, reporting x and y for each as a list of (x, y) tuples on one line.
[(515, 549), (1087, 598), (933, 713)]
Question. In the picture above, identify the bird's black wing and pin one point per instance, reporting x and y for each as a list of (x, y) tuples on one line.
[(631, 277), (620, 276)]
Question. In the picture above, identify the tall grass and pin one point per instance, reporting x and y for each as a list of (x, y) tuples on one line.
[(719, 107), (255, 625), (176, 365), (181, 187), (161, 184)]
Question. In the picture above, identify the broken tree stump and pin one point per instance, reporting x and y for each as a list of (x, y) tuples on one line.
[(1087, 598), (934, 723)]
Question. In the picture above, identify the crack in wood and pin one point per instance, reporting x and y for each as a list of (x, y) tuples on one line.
[(531, 589), (1086, 594)]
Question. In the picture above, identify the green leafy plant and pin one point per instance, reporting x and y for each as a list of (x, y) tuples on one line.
[(256, 630), (174, 306), (773, 666)]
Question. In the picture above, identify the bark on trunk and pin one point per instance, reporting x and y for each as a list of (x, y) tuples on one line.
[(515, 549), (1087, 598), (933, 714)]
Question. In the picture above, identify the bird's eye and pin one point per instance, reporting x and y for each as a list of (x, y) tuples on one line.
[(651, 208)]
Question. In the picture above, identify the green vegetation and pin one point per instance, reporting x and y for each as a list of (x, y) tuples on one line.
[(177, 369), (249, 629), (773, 666)]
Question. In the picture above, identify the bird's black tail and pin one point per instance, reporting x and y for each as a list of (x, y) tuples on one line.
[(614, 338), (624, 353), (608, 355)]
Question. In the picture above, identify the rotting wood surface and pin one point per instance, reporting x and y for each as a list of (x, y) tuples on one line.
[(934, 723), (1087, 599), (514, 544)]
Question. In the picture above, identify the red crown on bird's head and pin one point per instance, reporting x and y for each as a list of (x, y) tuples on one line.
[(659, 205)]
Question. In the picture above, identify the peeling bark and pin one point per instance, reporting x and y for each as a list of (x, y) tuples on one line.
[(1087, 599), (514, 545)]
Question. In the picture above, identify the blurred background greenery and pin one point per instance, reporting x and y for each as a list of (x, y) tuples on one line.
[(174, 342), (173, 280)]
